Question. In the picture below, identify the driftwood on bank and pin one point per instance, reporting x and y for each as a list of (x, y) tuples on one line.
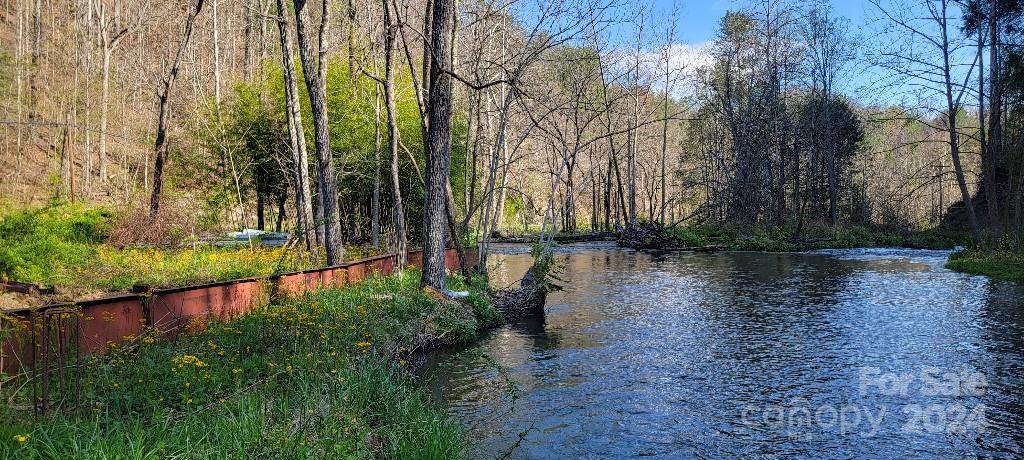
[(647, 235), (655, 237), (561, 238)]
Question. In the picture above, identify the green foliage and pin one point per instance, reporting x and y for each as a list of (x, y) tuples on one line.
[(486, 315), (998, 264), (319, 376), (545, 267), (63, 245), (38, 241)]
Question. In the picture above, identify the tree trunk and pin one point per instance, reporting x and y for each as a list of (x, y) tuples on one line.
[(438, 147), (304, 225), (160, 149), (375, 198), (104, 102), (315, 72), (216, 55), (397, 205), (260, 209), (995, 129)]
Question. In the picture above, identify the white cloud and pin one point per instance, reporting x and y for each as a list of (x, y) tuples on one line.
[(684, 60)]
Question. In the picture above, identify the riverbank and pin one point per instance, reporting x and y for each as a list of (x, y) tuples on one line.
[(780, 239), (999, 264), (324, 375)]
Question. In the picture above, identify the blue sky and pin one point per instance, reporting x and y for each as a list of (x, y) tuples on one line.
[(699, 19), (698, 22), (862, 78)]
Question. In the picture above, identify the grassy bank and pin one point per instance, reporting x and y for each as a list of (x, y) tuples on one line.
[(66, 246), (998, 264), (320, 376), (787, 239)]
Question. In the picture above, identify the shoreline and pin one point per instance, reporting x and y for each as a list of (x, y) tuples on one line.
[(202, 391)]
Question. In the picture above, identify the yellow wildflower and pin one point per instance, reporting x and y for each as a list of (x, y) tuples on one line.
[(21, 438)]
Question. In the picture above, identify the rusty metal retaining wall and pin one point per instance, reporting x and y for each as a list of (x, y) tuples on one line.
[(110, 320)]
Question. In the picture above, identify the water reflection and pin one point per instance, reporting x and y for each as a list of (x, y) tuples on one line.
[(672, 355)]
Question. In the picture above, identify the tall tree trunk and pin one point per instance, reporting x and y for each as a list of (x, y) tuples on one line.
[(994, 190), (260, 209), (397, 205), (375, 198), (305, 227), (37, 50), (160, 149), (314, 69), (438, 162), (104, 102), (216, 55)]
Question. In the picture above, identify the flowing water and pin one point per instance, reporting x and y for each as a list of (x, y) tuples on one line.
[(845, 353)]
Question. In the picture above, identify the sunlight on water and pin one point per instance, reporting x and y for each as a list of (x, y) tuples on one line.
[(718, 355)]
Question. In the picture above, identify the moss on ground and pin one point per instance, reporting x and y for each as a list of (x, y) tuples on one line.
[(998, 264)]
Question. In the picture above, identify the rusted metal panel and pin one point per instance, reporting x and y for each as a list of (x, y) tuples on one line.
[(292, 284), (451, 259), (106, 323), (415, 258), (356, 272), (175, 310), (16, 349), (113, 319)]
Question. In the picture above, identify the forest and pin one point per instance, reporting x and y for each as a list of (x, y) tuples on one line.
[(567, 116), (135, 135)]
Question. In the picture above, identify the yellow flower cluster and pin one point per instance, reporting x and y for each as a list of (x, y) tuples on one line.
[(186, 360)]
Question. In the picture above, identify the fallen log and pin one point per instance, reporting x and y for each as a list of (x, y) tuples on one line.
[(524, 301)]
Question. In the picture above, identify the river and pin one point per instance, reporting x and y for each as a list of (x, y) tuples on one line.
[(841, 353)]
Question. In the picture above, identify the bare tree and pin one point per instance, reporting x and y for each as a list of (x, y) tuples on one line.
[(398, 207), (927, 57), (160, 148)]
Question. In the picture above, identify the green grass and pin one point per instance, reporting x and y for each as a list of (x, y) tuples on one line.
[(64, 245), (998, 264), (320, 376), (37, 241)]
